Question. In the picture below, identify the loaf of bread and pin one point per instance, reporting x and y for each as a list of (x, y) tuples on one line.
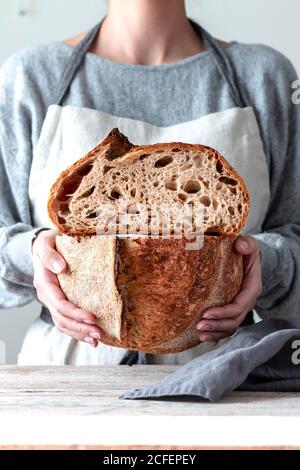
[(148, 292)]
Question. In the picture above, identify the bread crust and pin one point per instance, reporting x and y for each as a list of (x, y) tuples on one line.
[(162, 287)]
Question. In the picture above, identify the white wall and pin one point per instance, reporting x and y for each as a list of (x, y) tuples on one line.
[(272, 22)]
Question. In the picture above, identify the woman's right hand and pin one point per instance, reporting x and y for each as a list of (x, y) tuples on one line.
[(68, 318)]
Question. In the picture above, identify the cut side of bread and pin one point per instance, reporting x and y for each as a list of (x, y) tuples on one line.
[(88, 195)]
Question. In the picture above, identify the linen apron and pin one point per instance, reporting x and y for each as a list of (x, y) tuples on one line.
[(69, 132)]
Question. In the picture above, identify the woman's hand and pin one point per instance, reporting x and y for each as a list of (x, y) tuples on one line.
[(68, 318), (219, 322)]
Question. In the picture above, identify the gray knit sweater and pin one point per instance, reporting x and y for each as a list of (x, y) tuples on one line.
[(161, 95)]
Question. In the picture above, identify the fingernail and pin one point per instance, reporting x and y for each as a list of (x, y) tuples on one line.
[(58, 266), (89, 341), (95, 335), (201, 326), (206, 338)]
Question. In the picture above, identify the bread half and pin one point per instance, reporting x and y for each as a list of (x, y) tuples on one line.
[(87, 195), (148, 294)]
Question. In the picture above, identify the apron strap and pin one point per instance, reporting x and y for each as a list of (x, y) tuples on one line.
[(217, 52), (223, 65), (74, 63)]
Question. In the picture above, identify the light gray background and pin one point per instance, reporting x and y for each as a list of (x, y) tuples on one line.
[(272, 22)]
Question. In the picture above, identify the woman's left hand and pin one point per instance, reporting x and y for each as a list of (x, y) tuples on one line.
[(219, 322)]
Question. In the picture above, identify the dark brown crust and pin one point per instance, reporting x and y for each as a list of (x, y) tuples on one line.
[(125, 151), (169, 287), (165, 288)]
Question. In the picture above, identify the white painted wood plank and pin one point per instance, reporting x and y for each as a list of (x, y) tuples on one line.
[(67, 406)]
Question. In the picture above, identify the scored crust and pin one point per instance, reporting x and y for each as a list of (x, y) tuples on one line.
[(173, 173), (149, 293)]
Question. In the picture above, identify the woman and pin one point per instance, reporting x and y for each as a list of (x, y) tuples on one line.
[(154, 74)]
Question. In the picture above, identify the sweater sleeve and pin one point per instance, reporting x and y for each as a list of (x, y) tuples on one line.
[(17, 96), (280, 238)]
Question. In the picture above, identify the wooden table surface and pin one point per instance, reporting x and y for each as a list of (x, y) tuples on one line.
[(78, 407)]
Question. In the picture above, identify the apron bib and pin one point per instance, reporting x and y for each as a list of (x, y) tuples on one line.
[(69, 132)]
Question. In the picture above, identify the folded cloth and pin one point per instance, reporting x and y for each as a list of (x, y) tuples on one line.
[(262, 357)]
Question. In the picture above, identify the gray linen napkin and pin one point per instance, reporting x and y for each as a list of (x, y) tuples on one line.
[(262, 357)]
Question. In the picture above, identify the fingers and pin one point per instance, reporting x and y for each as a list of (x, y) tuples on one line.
[(44, 249), (214, 337), (68, 318), (246, 246), (79, 331), (232, 310), (227, 324), (245, 300), (227, 319)]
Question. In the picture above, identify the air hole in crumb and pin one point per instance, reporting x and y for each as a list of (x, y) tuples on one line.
[(155, 184), (186, 166), (215, 204), (87, 193), (62, 197), (61, 220), (115, 193), (85, 170), (69, 187), (133, 192), (228, 181), (231, 210), (171, 185), (205, 200), (175, 150), (160, 151), (198, 160), (219, 167), (106, 169), (192, 187), (164, 161), (143, 156), (212, 233), (63, 207), (233, 190), (182, 196), (240, 208), (218, 186), (93, 215)]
